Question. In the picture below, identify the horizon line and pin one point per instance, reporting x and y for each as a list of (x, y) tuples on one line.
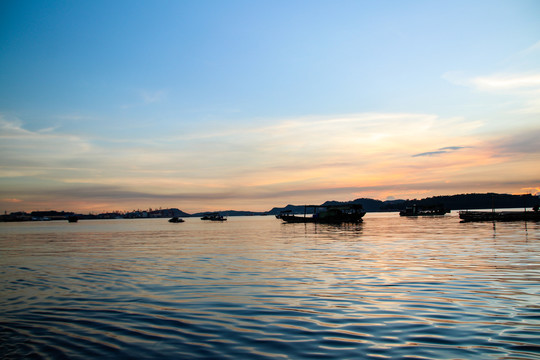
[(266, 211)]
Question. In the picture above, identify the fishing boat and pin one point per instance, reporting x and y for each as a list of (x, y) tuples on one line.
[(330, 214), (73, 218), (424, 210), (469, 216), (176, 219), (215, 216)]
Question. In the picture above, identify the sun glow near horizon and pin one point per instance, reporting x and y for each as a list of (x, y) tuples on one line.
[(263, 167)]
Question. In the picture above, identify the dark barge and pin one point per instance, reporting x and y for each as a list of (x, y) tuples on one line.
[(470, 216), (329, 214)]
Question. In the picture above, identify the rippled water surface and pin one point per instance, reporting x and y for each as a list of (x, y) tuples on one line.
[(255, 288)]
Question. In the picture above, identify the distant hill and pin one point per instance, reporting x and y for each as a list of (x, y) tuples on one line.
[(232, 213), (176, 212), (451, 202), (161, 213), (367, 204), (470, 201), (293, 208)]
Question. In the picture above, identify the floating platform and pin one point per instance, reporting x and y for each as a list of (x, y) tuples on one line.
[(469, 216)]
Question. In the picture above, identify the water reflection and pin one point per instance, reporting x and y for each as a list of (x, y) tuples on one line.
[(255, 287)]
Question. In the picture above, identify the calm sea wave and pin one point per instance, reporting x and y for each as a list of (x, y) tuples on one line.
[(256, 288)]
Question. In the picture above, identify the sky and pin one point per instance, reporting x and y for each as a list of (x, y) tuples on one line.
[(215, 105)]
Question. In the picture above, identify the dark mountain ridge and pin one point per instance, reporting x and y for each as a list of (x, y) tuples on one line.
[(451, 202)]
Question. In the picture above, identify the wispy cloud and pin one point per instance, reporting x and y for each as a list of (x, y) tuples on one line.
[(430, 153), (521, 91), (26, 152), (444, 150), (453, 148), (496, 81), (150, 97), (507, 81), (12, 200), (145, 97), (520, 87), (525, 55)]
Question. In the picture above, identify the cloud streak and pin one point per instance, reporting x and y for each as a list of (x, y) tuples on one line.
[(444, 150), (151, 97), (507, 81)]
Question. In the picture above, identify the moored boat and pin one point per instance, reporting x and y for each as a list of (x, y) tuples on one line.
[(176, 219), (283, 213), (215, 216), (330, 214), (424, 210)]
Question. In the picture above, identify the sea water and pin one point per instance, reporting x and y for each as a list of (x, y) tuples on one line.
[(257, 288)]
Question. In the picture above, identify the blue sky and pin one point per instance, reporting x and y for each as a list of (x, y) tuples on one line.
[(208, 105)]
